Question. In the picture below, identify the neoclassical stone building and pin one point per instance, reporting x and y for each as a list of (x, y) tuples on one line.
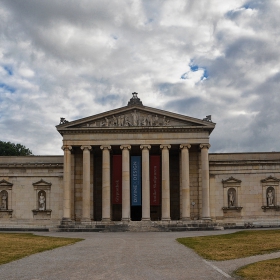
[(139, 164)]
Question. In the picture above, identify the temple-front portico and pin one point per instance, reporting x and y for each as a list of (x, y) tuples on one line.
[(136, 163)]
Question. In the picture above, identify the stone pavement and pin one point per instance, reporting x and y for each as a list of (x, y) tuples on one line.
[(119, 255)]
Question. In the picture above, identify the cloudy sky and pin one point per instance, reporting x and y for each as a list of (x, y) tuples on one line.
[(74, 59)]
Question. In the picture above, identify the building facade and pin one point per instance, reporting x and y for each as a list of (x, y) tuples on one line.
[(138, 163)]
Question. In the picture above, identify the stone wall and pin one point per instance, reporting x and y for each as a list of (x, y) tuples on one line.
[(23, 178), (250, 175)]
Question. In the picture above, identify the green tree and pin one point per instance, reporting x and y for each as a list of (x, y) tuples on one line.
[(11, 149)]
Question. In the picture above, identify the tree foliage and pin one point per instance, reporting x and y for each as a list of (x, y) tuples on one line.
[(11, 149)]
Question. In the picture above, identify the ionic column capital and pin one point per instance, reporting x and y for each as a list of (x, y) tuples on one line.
[(66, 147), (145, 147), (165, 147), (106, 147), (125, 147), (185, 146), (204, 146), (86, 148)]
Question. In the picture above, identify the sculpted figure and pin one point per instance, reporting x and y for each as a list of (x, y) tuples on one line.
[(144, 121), (134, 118), (126, 121), (115, 122), (119, 120), (122, 120), (270, 198), (4, 202), (150, 120), (231, 199), (42, 200), (165, 121), (156, 122), (106, 122)]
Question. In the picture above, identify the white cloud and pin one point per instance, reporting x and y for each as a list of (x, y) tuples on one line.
[(75, 59)]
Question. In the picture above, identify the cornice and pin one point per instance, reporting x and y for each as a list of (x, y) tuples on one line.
[(31, 165), (127, 130)]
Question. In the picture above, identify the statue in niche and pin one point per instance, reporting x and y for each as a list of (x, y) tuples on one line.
[(42, 202), (150, 120), (231, 199), (126, 121), (115, 122), (156, 122), (270, 198), (135, 118), (4, 201)]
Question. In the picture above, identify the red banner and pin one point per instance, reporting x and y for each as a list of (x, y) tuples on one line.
[(117, 180), (155, 180)]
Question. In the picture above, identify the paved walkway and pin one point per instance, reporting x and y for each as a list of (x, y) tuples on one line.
[(124, 255)]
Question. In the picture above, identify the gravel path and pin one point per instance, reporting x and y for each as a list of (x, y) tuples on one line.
[(124, 255)]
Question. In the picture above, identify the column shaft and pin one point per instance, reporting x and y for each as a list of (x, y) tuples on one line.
[(165, 183), (125, 183), (185, 179), (106, 184), (145, 183), (67, 183), (205, 182), (86, 183)]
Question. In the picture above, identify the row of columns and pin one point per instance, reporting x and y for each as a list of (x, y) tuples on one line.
[(106, 185)]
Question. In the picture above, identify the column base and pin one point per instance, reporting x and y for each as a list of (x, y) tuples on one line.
[(106, 220), (67, 222), (126, 220), (145, 219), (86, 221), (186, 219), (206, 219), (165, 219)]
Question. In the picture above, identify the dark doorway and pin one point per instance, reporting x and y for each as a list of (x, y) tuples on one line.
[(136, 213)]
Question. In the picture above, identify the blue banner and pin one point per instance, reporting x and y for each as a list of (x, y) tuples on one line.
[(136, 174)]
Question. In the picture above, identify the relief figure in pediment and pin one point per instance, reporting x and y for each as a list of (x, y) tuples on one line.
[(114, 122), (166, 122), (107, 122), (144, 121), (135, 118), (122, 120), (156, 121), (126, 121), (150, 120)]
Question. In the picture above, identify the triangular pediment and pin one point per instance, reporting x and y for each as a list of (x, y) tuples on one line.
[(270, 179), (136, 117), (231, 180), (42, 183), (4, 183)]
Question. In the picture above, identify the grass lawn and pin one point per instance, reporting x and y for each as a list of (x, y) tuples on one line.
[(235, 245), (263, 270), (15, 246)]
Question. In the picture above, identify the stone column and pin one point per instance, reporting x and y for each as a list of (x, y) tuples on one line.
[(165, 192), (67, 183), (185, 177), (145, 182), (125, 183), (106, 184), (205, 181), (86, 183)]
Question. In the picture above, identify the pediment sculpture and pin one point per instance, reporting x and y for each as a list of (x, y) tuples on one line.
[(133, 118)]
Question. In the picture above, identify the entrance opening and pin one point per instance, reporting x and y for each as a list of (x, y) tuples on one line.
[(136, 213)]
